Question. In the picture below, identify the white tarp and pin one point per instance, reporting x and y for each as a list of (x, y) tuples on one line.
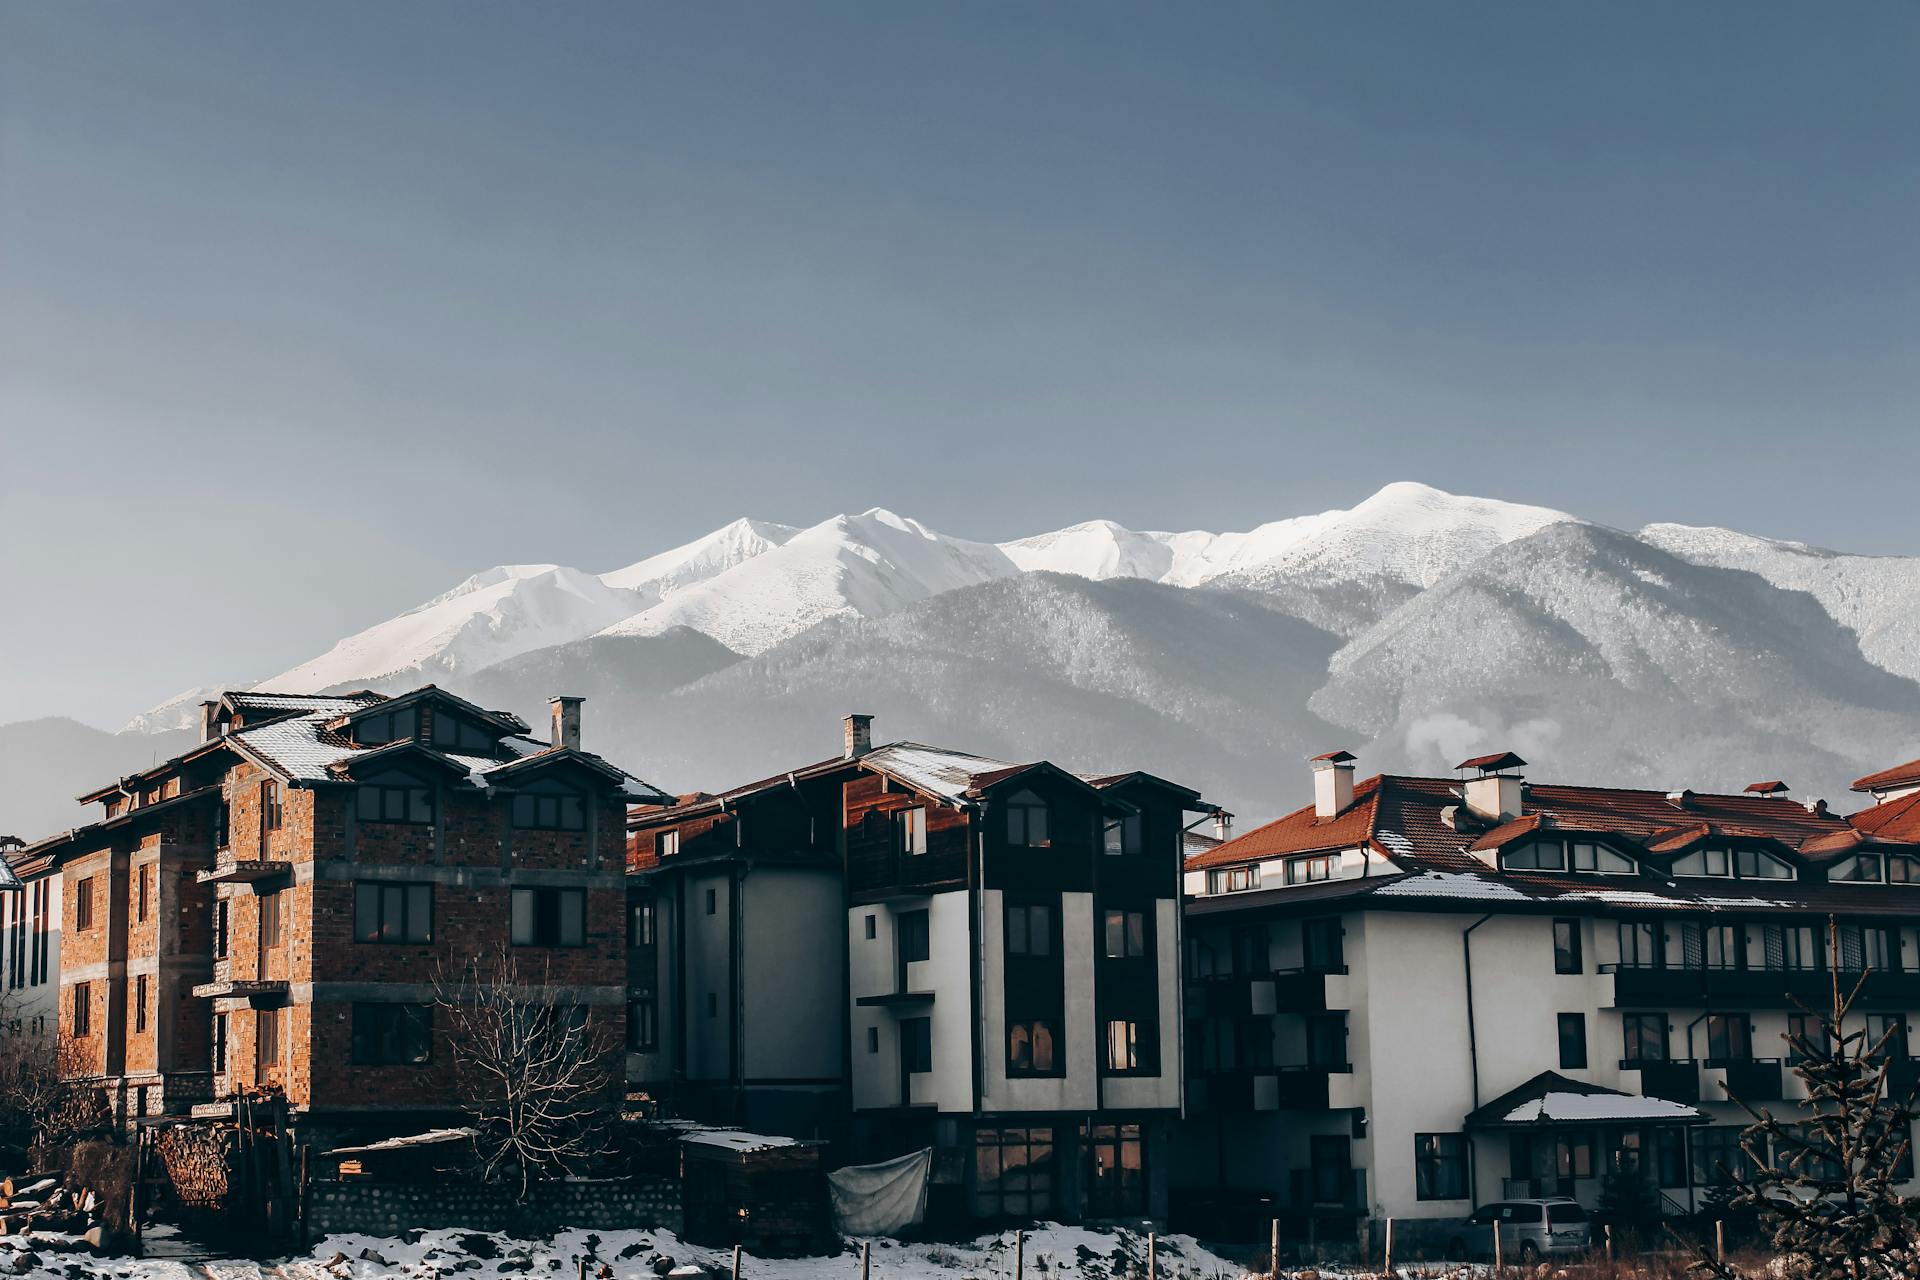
[(881, 1199)]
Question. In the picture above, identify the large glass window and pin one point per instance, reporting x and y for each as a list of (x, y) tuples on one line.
[(1589, 855), (1573, 1041), (1729, 1037), (1126, 934), (916, 1045), (1323, 943), (1310, 870), (1013, 1173), (393, 802), (1117, 1185), (1536, 855), (385, 912), (1031, 1049), (1027, 821), (1566, 946), (392, 1034), (1717, 1154), (1233, 879), (910, 831), (915, 936), (1440, 1166), (453, 733), (1123, 1045), (1704, 862), (559, 812), (1124, 836), (1641, 944), (1644, 1036), (549, 917), (1029, 930)]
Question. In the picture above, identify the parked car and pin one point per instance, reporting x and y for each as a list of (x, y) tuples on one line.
[(1529, 1229)]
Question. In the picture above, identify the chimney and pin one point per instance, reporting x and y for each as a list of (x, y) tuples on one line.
[(1497, 793), (209, 721), (859, 735), (1332, 783), (1771, 789), (566, 721), (1222, 825)]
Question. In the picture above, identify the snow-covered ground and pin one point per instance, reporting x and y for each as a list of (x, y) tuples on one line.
[(1052, 1252)]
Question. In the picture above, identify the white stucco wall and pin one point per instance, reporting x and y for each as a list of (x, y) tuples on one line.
[(1077, 1090)]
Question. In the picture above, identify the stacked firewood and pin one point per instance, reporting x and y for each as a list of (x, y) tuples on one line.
[(199, 1163), (37, 1204)]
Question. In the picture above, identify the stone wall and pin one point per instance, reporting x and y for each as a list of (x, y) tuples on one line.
[(386, 1209)]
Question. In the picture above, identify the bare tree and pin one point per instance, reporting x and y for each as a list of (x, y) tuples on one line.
[(535, 1070), (47, 1093)]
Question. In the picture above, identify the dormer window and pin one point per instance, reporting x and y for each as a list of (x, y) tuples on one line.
[(1589, 855), (1308, 870), (388, 726), (1745, 864), (1902, 869), (549, 808), (451, 733), (1123, 836), (1027, 821), (394, 797), (1233, 879), (1535, 855), (1865, 867), (1755, 864)]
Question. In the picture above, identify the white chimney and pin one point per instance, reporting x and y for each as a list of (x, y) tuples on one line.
[(566, 721), (1498, 793), (1222, 825), (1333, 783), (859, 735)]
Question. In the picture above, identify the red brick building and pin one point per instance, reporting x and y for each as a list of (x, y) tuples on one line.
[(272, 909)]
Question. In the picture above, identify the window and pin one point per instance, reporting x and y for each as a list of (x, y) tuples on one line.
[(266, 1040), (561, 812), (143, 891), (220, 908), (1717, 1154), (1027, 821), (386, 1035), (1124, 836), (1309, 870), (666, 844), (1641, 944), (873, 1039), (1902, 869), (910, 831), (1670, 1156), (1573, 1041), (1323, 943), (1029, 931), (398, 801), (1118, 1183), (222, 825), (550, 917), (1030, 1049), (82, 1009), (270, 811), (640, 923), (1536, 855), (83, 904), (1013, 1173), (1233, 879), (451, 733), (219, 1043), (1590, 856), (1704, 862), (140, 982), (713, 901), (1126, 935), (270, 935), (643, 1026), (1327, 1041), (1566, 947), (713, 1005), (1440, 1166), (1729, 1037), (1864, 866), (1890, 1028), (388, 726), (913, 936), (1805, 1031), (385, 912), (1645, 1036), (1123, 1045), (1756, 864), (916, 1045), (873, 929)]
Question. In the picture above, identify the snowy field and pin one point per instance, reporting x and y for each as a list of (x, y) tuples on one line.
[(1053, 1252)]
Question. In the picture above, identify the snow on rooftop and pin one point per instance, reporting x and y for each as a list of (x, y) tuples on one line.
[(935, 770), (738, 1139), (1450, 884), (1598, 1106), (1623, 898), (432, 1137), (1394, 841)]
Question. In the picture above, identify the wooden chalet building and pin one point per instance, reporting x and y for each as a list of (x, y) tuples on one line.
[(1420, 994), (268, 911), (906, 946)]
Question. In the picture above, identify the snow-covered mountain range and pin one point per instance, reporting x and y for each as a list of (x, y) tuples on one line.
[(1415, 627)]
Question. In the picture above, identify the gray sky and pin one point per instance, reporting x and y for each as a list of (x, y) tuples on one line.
[(308, 311)]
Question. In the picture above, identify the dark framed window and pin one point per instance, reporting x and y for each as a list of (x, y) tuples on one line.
[(389, 1035), (143, 891), (1566, 947), (1670, 1156), (220, 917), (1125, 836), (1013, 1172), (1027, 825), (1233, 879), (1808, 1030), (549, 917), (219, 1043), (640, 922), (1125, 935), (1032, 1049), (266, 1039), (643, 1025), (386, 726), (1642, 944), (1729, 1037), (1644, 1037), (271, 814), (82, 1009), (666, 844), (910, 831), (1573, 1040), (873, 927), (566, 812), (914, 936), (713, 901), (873, 1039), (1440, 1166), (1029, 930), (1717, 1154), (1327, 1040), (1323, 943), (222, 825), (1130, 1046), (140, 992), (452, 733), (1310, 870), (271, 934), (1117, 1182), (393, 802), (916, 1045), (384, 912), (83, 904)]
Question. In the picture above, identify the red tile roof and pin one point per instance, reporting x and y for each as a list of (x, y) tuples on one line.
[(1900, 775), (1896, 821), (1498, 760)]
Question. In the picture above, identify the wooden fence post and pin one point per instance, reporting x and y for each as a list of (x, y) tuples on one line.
[(866, 1254), (580, 1266), (1720, 1239), (1608, 1230), (1019, 1255), (736, 1262), (1153, 1248), (1499, 1262), (1387, 1269), (1274, 1246)]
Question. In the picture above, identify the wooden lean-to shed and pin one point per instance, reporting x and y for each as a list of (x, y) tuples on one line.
[(764, 1192)]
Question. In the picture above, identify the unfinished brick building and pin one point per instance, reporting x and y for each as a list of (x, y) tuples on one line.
[(271, 910)]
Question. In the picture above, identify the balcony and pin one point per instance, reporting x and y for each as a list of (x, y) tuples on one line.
[(1676, 1081), (896, 1000), (1236, 995), (1748, 1079), (1707, 987), (258, 992), (244, 872)]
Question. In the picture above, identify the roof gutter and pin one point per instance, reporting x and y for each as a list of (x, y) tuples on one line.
[(1473, 1052)]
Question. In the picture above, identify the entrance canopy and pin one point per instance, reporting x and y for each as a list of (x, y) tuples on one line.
[(1551, 1098)]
